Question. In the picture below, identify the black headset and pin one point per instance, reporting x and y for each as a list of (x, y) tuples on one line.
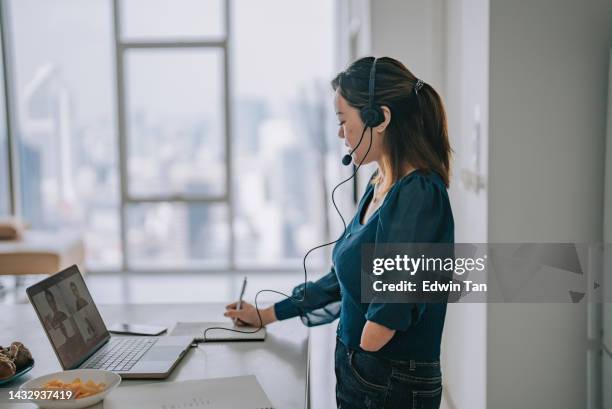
[(372, 115)]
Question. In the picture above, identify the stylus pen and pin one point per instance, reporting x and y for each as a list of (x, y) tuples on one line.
[(239, 305)]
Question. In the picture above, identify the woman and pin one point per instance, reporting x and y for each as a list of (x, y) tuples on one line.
[(387, 355)]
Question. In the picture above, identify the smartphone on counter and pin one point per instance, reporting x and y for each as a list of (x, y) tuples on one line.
[(136, 329)]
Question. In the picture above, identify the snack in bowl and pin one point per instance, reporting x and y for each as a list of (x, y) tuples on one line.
[(7, 367), (70, 389), (20, 355), (78, 388)]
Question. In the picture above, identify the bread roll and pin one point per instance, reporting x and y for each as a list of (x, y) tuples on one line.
[(7, 367), (20, 355)]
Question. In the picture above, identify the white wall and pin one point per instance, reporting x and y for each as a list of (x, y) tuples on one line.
[(607, 308), (467, 68), (542, 66), (538, 71), (442, 42), (411, 31), (548, 84)]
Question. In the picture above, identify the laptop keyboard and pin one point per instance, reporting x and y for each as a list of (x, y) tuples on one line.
[(121, 354)]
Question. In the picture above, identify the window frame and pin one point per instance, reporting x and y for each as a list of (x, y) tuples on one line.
[(10, 103)]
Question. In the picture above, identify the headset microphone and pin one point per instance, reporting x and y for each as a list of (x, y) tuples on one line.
[(347, 159)]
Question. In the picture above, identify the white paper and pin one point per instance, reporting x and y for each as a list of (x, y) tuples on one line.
[(240, 392)]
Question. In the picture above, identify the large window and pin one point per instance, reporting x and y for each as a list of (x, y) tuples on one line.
[(282, 61), (176, 134), (175, 157), (175, 122), (172, 64), (64, 67)]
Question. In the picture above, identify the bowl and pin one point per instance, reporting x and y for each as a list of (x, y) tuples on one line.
[(18, 374), (111, 379)]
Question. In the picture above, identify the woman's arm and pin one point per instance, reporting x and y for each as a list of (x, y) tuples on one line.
[(375, 336), (316, 303)]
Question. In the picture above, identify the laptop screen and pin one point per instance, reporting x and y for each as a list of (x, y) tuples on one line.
[(69, 316)]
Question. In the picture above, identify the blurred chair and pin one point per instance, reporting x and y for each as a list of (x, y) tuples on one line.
[(40, 252)]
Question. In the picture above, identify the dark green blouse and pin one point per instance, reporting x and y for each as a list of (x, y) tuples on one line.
[(415, 210)]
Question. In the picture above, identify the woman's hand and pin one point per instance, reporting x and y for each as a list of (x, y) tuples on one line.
[(247, 314), (375, 336)]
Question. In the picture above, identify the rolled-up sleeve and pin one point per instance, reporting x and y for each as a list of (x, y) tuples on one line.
[(315, 303), (395, 316)]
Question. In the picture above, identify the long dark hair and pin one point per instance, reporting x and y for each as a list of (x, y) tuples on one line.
[(417, 134)]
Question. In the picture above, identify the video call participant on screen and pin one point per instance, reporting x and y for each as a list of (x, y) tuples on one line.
[(56, 320), (80, 301), (59, 320)]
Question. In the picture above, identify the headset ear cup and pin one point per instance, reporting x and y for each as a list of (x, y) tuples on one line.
[(372, 116)]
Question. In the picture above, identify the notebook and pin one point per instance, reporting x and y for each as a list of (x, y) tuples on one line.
[(240, 392), (196, 330)]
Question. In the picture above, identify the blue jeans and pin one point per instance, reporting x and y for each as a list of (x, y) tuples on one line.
[(365, 381)]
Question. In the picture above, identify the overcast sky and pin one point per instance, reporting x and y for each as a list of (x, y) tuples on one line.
[(278, 45)]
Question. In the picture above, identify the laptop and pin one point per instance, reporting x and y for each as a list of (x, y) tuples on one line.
[(80, 338)]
